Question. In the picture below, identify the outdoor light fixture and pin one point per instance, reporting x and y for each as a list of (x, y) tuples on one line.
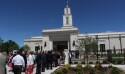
[(45, 44), (73, 44), (120, 42)]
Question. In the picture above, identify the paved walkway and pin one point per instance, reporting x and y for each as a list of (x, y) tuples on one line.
[(46, 72)]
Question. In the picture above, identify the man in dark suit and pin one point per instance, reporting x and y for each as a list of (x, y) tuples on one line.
[(49, 59), (55, 59), (43, 61), (25, 59), (38, 61)]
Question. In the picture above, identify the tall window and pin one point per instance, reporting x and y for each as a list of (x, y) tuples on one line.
[(67, 20), (102, 47), (41, 48), (37, 48), (67, 10)]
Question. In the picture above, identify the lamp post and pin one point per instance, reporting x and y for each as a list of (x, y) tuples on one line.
[(120, 43), (97, 47), (109, 41)]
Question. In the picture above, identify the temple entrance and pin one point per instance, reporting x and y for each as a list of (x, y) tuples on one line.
[(60, 45)]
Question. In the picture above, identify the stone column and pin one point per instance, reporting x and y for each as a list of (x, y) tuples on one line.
[(51, 45), (66, 52), (68, 45)]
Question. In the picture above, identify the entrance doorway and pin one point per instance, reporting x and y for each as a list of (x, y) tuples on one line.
[(60, 45)]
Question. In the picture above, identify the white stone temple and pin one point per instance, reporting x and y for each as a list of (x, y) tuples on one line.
[(66, 36)]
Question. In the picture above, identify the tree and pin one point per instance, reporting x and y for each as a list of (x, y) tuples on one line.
[(86, 45), (80, 46), (9, 46), (25, 48), (94, 46)]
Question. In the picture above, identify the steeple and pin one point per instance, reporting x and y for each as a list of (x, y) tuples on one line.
[(67, 17), (67, 4)]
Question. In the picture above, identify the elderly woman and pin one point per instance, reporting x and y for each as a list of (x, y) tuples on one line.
[(2, 63)]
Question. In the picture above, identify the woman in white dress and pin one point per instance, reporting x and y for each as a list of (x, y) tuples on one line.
[(30, 63)]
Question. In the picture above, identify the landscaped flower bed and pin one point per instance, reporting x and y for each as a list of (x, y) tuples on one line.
[(98, 69)]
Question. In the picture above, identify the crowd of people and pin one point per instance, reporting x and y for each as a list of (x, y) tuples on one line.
[(26, 61)]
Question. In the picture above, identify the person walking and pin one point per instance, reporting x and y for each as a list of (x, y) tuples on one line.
[(2, 63), (25, 59), (10, 61), (30, 63), (49, 59), (43, 61), (38, 61), (55, 59), (18, 63)]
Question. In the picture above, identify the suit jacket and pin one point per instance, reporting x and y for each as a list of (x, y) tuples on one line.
[(2, 64), (49, 57), (38, 59)]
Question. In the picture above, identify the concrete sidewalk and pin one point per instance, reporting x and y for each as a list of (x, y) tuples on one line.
[(46, 71)]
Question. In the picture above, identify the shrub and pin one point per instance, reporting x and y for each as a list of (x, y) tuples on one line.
[(105, 62), (57, 72), (114, 61), (115, 70), (67, 66), (83, 62), (71, 62), (92, 71), (97, 62), (118, 55), (79, 72), (79, 67), (118, 60), (90, 62), (75, 62), (110, 66), (105, 68), (64, 70), (88, 67), (98, 66), (101, 72)]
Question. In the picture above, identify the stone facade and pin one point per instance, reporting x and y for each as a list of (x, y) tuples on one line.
[(70, 34)]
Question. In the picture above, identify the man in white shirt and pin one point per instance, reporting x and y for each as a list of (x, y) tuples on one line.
[(18, 63)]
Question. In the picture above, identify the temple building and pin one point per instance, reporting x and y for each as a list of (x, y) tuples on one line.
[(66, 36)]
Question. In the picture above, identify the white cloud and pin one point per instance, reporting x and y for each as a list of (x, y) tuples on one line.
[(24, 33), (109, 31)]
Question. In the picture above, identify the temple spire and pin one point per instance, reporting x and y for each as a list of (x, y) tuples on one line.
[(67, 4), (67, 17)]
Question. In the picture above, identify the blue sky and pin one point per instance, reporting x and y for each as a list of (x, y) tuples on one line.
[(21, 19)]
